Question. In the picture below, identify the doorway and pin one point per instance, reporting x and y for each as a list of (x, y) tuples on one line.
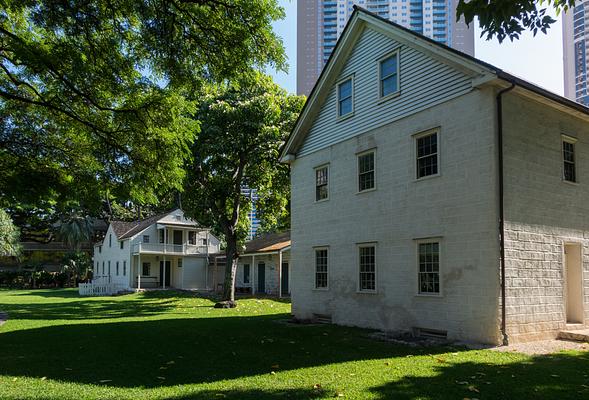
[(261, 278), (165, 275), (284, 277), (573, 267)]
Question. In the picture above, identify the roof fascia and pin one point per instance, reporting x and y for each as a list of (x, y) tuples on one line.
[(330, 71)]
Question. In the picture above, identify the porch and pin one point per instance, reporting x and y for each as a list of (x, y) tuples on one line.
[(165, 271)]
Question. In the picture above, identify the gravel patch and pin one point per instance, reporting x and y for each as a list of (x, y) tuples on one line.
[(542, 347)]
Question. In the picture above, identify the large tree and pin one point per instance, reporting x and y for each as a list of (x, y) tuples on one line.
[(509, 18), (244, 124), (92, 92), (9, 237)]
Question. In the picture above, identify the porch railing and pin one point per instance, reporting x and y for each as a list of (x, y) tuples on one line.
[(174, 249), (99, 289)]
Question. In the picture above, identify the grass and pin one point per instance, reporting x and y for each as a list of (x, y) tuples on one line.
[(166, 345)]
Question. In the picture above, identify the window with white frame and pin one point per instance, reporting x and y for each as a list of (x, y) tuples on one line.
[(321, 268), (100, 249), (429, 267), (103, 268), (366, 179), (146, 269), (192, 237), (345, 97), (145, 238), (117, 268), (110, 240), (321, 183), (568, 157), (109, 268), (427, 154), (388, 70), (367, 264), (124, 268), (122, 244)]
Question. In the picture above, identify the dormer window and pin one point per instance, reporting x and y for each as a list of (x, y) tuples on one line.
[(388, 71), (345, 97)]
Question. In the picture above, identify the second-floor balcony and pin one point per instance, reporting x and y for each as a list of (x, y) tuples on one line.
[(172, 249)]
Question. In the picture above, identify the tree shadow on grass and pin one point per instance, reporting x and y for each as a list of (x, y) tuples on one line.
[(85, 309), (181, 351), (558, 376)]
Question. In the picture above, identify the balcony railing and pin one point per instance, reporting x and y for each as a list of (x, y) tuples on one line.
[(174, 249)]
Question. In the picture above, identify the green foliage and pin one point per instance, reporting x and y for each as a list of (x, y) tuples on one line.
[(92, 92), (244, 124), (9, 236), (75, 229), (509, 18)]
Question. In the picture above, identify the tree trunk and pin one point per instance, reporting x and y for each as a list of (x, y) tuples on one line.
[(231, 259)]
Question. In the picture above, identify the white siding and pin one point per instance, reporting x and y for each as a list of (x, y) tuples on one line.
[(424, 82), (114, 254)]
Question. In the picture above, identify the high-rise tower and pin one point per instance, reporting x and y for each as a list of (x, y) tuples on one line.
[(575, 38), (321, 22)]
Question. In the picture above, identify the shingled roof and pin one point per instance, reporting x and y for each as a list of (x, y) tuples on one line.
[(268, 243), (125, 229)]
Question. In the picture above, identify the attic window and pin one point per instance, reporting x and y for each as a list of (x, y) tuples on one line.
[(345, 98), (178, 217), (388, 71)]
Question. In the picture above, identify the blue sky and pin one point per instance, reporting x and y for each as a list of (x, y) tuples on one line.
[(536, 59)]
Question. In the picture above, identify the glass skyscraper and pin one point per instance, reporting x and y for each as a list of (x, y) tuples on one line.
[(321, 22), (575, 41)]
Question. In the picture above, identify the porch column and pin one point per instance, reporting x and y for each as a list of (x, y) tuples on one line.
[(164, 268), (253, 275), (139, 271), (279, 273)]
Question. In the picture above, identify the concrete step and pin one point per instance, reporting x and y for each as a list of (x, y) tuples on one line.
[(578, 335)]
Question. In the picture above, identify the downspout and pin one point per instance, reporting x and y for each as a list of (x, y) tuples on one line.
[(501, 209)]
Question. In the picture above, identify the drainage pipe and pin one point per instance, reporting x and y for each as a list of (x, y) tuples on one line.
[(501, 209)]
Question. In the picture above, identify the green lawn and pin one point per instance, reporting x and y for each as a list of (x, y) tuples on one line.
[(165, 345)]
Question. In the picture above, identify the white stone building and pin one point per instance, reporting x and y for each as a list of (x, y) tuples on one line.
[(435, 193), (163, 251)]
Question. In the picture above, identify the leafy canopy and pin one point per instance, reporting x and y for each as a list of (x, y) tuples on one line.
[(509, 18), (244, 123), (92, 92), (9, 236)]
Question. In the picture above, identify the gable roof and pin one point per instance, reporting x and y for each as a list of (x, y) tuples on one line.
[(481, 71), (268, 243), (125, 230)]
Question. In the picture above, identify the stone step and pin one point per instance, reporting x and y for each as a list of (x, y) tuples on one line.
[(578, 335)]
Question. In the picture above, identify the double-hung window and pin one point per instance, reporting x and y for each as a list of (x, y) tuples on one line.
[(367, 270), (117, 268), (366, 179), (122, 244), (321, 268), (124, 268), (427, 151), (145, 270), (145, 238), (429, 267), (388, 69), (345, 97), (568, 158), (321, 183)]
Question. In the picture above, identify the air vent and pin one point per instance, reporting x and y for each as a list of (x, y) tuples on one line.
[(430, 333), (322, 318)]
